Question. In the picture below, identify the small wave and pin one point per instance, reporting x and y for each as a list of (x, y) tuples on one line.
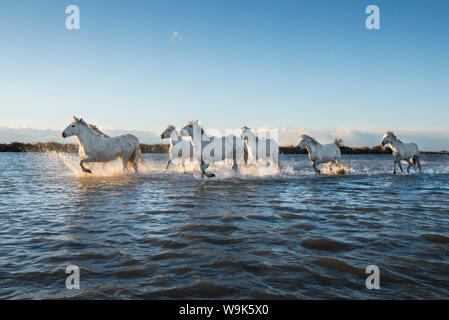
[(326, 244), (436, 238)]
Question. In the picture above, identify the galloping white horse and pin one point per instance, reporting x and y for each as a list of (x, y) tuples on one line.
[(95, 147), (260, 148), (179, 148), (209, 149), (320, 153), (402, 151)]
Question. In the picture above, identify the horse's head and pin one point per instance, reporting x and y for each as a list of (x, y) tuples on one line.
[(246, 132), (388, 137), (191, 127), (73, 129), (303, 141), (167, 132)]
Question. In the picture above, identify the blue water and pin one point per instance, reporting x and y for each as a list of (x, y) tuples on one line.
[(171, 234)]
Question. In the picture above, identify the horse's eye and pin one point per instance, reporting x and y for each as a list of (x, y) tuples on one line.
[(73, 126)]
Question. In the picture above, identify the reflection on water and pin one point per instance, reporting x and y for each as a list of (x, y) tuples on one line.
[(163, 234)]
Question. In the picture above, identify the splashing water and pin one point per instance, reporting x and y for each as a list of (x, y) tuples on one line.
[(291, 167)]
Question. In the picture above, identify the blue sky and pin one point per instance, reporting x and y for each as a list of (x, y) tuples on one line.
[(304, 64)]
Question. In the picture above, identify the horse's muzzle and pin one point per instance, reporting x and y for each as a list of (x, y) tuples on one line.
[(63, 135)]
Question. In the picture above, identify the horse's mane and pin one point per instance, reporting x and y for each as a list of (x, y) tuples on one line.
[(304, 136), (95, 129), (393, 135)]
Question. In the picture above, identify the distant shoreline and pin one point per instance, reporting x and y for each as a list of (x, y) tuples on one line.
[(163, 148)]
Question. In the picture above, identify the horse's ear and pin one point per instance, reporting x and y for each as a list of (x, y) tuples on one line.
[(75, 119), (80, 120)]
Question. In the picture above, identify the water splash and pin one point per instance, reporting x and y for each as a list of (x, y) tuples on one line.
[(291, 168)]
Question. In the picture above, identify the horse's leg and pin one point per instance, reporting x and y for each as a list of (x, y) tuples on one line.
[(203, 167), (86, 160), (394, 165), (125, 163), (168, 163), (133, 160), (409, 165), (235, 166), (315, 168), (337, 162), (419, 163), (400, 166), (276, 162)]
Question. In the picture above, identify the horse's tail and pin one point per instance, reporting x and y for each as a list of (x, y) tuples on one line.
[(414, 161), (140, 157)]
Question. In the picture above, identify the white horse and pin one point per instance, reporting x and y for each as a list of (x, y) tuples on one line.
[(209, 149), (179, 148), (320, 153), (264, 149), (98, 147), (402, 151)]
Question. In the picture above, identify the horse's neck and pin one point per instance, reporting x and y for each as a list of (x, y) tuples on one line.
[(396, 145), (87, 136), (253, 142), (312, 148), (175, 138)]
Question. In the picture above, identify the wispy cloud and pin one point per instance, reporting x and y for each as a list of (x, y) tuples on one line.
[(175, 36)]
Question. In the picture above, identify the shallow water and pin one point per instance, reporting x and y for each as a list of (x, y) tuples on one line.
[(254, 235)]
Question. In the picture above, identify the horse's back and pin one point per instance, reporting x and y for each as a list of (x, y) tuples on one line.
[(335, 149), (413, 148)]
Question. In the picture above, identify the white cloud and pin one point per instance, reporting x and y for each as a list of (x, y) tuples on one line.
[(175, 35)]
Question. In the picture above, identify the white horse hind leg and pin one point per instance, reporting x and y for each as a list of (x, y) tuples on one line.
[(125, 162), (409, 165)]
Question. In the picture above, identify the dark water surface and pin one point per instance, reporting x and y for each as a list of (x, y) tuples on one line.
[(173, 235)]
